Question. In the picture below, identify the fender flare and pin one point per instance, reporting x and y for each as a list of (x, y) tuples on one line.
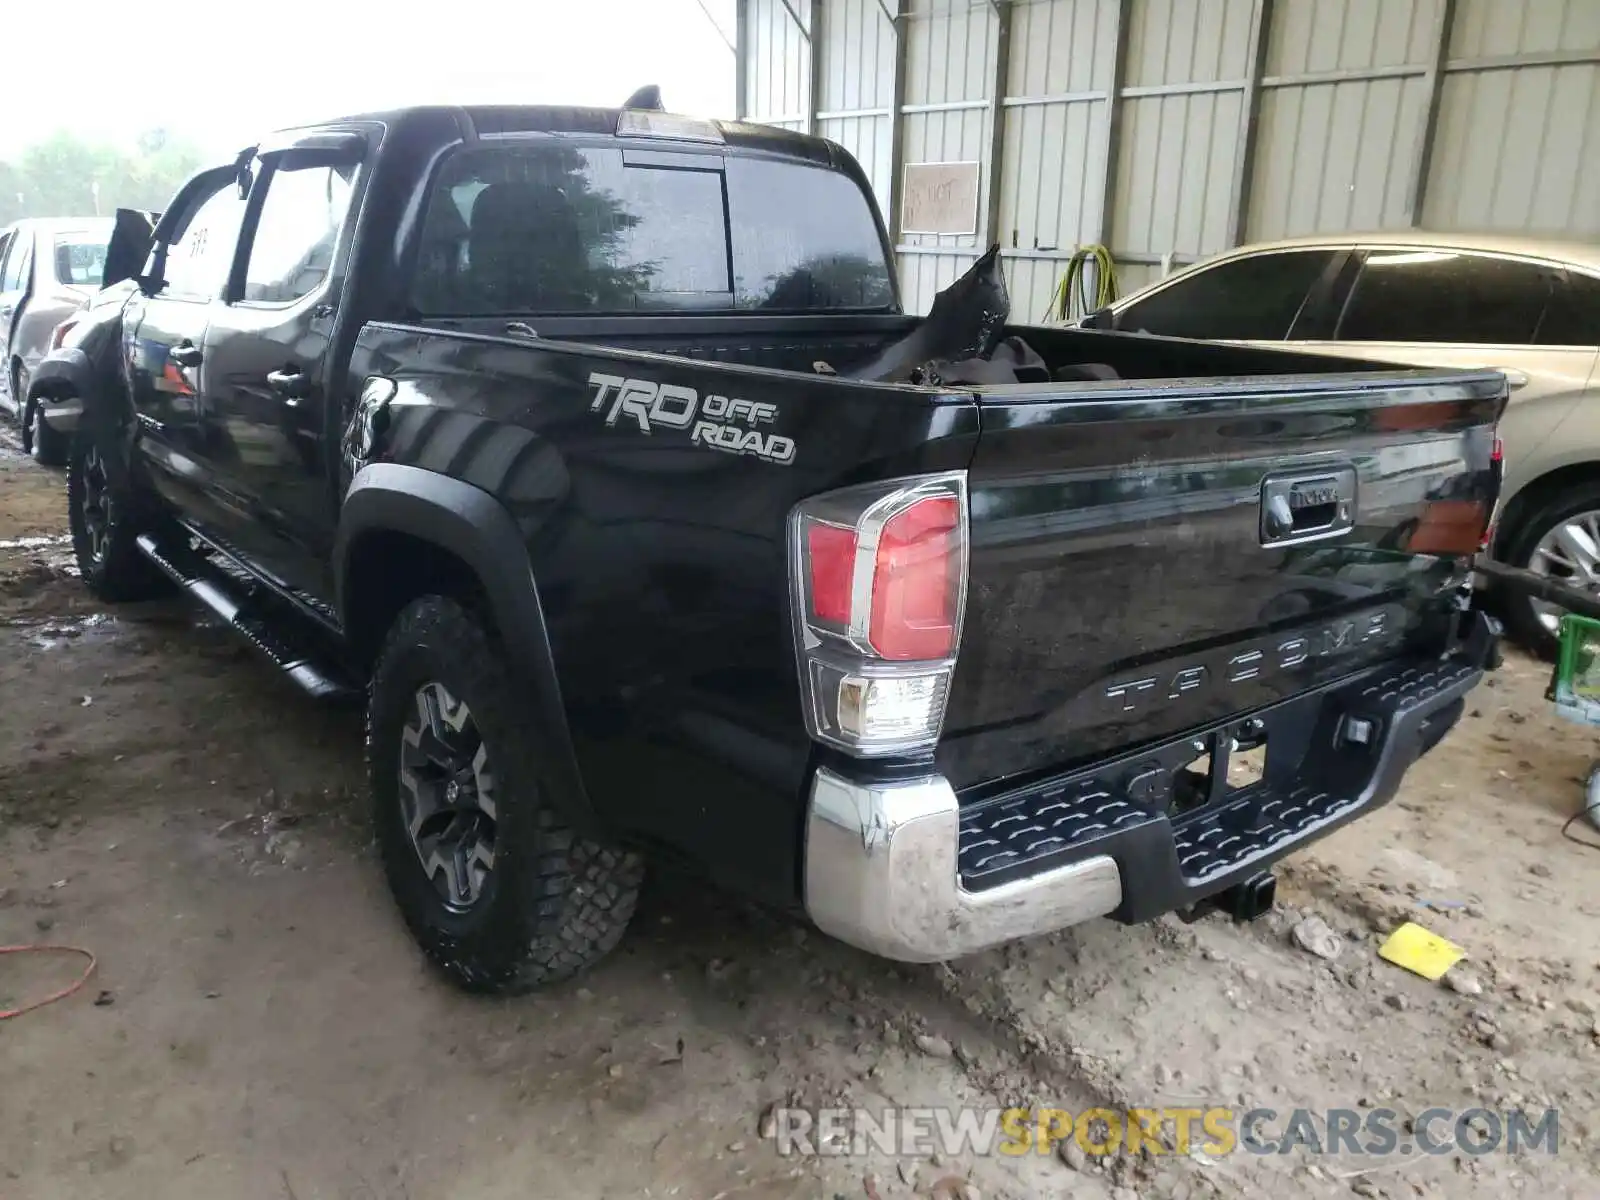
[(473, 526)]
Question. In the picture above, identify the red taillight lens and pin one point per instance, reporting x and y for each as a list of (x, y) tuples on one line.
[(880, 581), (915, 582), (59, 334), (832, 559)]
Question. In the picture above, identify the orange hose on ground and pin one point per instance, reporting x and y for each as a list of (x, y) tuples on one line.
[(7, 1013)]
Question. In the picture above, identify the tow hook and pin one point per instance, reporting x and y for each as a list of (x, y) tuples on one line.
[(1244, 901)]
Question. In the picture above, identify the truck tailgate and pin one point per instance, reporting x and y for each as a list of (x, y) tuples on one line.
[(1150, 559)]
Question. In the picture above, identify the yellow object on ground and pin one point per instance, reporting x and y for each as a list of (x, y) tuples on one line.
[(1421, 952)]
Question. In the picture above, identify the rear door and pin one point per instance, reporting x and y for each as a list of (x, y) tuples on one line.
[(1130, 580)]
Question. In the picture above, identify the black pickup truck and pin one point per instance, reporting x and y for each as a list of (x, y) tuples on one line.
[(593, 448)]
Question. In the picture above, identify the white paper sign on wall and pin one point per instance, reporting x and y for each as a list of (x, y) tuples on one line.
[(940, 197)]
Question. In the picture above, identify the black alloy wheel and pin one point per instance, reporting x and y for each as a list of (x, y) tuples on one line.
[(447, 797)]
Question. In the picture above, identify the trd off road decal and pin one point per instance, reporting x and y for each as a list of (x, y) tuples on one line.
[(717, 422)]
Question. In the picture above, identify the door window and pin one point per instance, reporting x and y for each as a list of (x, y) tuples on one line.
[(198, 262), (292, 250), (14, 275), (80, 259), (1447, 296), (1573, 316), (1253, 298)]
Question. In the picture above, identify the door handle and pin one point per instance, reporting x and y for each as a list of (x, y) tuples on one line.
[(1514, 378), (289, 382), (185, 354)]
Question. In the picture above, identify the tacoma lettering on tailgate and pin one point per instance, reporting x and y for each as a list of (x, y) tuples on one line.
[(1261, 659)]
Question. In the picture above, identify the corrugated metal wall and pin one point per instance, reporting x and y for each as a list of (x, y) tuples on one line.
[(1221, 120)]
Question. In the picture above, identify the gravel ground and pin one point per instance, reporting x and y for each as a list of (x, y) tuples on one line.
[(260, 1026)]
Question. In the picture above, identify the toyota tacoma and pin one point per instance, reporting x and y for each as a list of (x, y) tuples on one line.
[(592, 451)]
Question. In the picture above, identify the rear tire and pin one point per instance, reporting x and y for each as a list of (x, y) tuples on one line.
[(107, 511), (1523, 617), (514, 899)]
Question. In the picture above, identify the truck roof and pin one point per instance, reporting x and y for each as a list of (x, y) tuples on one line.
[(500, 119)]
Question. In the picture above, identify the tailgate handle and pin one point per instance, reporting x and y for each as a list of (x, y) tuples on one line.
[(1307, 505)]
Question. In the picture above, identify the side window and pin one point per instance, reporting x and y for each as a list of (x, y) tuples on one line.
[(1573, 317), (6, 240), (292, 250), (1446, 296), (198, 262), (14, 274), (80, 259), (1254, 298), (546, 227)]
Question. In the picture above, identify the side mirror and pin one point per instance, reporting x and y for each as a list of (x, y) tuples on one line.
[(1100, 318)]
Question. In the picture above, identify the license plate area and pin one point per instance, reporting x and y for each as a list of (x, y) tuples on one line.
[(1228, 762)]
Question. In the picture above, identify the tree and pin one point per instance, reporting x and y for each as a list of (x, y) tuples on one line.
[(65, 176)]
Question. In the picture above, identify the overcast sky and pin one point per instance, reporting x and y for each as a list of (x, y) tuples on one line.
[(222, 72)]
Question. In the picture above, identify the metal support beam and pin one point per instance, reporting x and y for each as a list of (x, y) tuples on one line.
[(1114, 99), (1433, 83), (888, 16), (897, 119), (795, 17), (1244, 161), (997, 120), (742, 50), (712, 21), (814, 60)]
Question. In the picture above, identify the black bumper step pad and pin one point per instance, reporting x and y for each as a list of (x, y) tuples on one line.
[(1331, 754)]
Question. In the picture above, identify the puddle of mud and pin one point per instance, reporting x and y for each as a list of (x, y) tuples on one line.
[(56, 631), (36, 542)]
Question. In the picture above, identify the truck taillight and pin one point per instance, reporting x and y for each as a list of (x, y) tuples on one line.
[(59, 333), (879, 580)]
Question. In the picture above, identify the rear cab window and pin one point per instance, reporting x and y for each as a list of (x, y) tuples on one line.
[(532, 226)]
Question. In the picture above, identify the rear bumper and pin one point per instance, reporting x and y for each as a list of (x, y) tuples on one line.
[(58, 382), (902, 870)]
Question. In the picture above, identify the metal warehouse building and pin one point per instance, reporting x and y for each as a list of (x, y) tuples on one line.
[(1167, 130)]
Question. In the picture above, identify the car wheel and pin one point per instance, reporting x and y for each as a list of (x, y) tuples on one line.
[(1559, 539), (48, 446), (500, 894), (106, 513)]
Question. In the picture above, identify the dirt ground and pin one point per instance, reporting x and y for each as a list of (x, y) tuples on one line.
[(259, 1025)]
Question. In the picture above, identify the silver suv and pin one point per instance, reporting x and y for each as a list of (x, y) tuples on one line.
[(1528, 307), (48, 268)]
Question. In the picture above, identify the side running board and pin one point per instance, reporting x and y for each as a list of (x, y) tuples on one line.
[(288, 648)]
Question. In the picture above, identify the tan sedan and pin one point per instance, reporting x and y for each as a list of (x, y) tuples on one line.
[(48, 268), (1529, 307)]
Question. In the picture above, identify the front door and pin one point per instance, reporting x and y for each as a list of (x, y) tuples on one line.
[(268, 393)]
